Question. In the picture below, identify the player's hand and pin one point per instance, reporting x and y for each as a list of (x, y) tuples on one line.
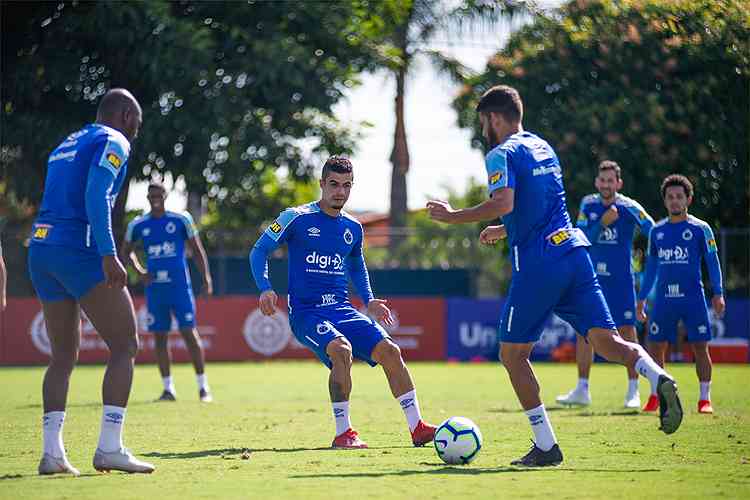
[(2, 300), (440, 211), (610, 215), (268, 301), (492, 234), (145, 278), (208, 287), (378, 309), (719, 305), (640, 311), (114, 274)]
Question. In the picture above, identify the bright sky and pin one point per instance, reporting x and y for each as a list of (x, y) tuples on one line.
[(440, 151)]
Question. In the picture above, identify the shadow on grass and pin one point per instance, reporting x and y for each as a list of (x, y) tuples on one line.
[(232, 453), (588, 413), (34, 475), (442, 469), (88, 404)]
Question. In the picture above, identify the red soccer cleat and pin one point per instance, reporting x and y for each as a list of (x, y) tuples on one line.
[(349, 439), (704, 406), (652, 404), (423, 433)]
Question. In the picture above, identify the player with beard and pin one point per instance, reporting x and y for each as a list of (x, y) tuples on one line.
[(552, 271), (325, 244)]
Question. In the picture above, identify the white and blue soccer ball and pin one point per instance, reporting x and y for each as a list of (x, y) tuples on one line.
[(458, 441)]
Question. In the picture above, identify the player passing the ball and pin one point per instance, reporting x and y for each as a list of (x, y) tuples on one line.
[(325, 244), (552, 271)]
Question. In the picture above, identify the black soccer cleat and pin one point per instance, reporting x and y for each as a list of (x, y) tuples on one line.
[(670, 408), (538, 458), (205, 396), (167, 396)]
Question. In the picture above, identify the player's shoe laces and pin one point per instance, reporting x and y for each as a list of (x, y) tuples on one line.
[(538, 458), (205, 396), (652, 404), (54, 465), (704, 406), (423, 433), (670, 408), (167, 396), (575, 398), (633, 400), (348, 439), (121, 460)]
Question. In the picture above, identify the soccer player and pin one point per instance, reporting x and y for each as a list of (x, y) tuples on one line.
[(325, 244), (552, 271), (74, 266), (167, 280), (609, 220), (675, 249)]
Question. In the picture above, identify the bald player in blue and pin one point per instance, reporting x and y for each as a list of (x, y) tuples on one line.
[(676, 247), (74, 266), (552, 270), (325, 250)]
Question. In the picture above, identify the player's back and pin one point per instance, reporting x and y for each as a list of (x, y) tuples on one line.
[(62, 216), (539, 221)]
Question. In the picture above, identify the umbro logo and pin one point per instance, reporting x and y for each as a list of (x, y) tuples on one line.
[(313, 232)]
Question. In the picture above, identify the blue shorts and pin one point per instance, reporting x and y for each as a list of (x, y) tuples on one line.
[(60, 273), (566, 286), (164, 301), (666, 313), (316, 328), (620, 297)]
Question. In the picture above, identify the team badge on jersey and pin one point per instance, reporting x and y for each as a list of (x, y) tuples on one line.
[(170, 227), (687, 235), (348, 237), (275, 227), (114, 160)]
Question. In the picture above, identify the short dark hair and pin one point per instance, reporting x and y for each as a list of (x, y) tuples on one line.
[(338, 164), (157, 185), (610, 165), (504, 100), (677, 180)]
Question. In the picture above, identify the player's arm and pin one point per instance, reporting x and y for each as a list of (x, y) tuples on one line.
[(652, 268), (3, 280), (275, 234), (501, 181), (106, 162), (199, 253), (591, 228), (642, 218), (711, 255), (128, 255)]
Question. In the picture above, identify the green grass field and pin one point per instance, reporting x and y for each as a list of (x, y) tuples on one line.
[(279, 411)]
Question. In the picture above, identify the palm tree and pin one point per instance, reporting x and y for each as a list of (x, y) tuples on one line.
[(415, 27)]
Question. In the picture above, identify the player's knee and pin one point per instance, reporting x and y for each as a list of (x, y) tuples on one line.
[(510, 355), (340, 352), (388, 352), (160, 340), (64, 361)]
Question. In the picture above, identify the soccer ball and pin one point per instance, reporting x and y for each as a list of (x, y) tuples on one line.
[(458, 441)]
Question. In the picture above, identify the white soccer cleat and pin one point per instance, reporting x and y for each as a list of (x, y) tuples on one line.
[(54, 465), (121, 460), (575, 398), (633, 401)]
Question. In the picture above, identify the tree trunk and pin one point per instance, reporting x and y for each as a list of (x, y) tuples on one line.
[(195, 205), (400, 160)]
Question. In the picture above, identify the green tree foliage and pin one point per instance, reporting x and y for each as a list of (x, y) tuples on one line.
[(658, 86), (237, 96)]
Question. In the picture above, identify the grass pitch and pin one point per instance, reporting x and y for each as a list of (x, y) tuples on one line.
[(267, 436)]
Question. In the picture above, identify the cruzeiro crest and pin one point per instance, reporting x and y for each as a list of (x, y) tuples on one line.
[(348, 237)]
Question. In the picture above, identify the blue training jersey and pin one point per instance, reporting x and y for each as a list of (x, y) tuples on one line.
[(539, 221), (675, 251), (611, 246), (164, 245), (322, 251), (84, 175)]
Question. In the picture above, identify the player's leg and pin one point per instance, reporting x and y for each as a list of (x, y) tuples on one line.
[(339, 352), (703, 368), (159, 324), (62, 318), (110, 311), (632, 397), (388, 355), (184, 311), (580, 395)]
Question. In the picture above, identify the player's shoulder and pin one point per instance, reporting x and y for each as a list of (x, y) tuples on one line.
[(351, 220), (183, 216), (699, 223), (661, 223), (290, 214), (109, 134), (627, 201), (140, 219), (591, 199)]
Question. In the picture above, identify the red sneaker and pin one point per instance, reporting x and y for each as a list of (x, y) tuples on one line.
[(423, 433), (349, 439), (652, 404), (704, 406)]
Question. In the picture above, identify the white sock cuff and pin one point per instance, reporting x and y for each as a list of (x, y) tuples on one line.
[(412, 394)]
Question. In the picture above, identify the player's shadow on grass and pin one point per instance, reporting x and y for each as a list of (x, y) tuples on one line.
[(520, 410), (235, 453), (8, 477), (588, 413), (88, 404)]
